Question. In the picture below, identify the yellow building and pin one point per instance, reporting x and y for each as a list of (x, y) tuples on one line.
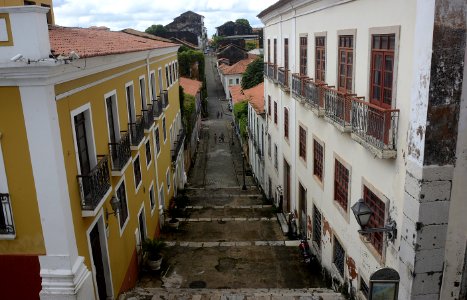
[(90, 154)]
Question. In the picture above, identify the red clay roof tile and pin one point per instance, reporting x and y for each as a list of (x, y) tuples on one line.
[(190, 86)]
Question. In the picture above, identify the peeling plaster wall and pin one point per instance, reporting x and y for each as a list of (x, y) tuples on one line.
[(455, 269), (432, 149)]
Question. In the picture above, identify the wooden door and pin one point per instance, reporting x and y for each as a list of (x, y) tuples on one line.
[(98, 263)]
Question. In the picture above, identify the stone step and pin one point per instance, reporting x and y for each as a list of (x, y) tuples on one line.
[(231, 294), (229, 213), (287, 243)]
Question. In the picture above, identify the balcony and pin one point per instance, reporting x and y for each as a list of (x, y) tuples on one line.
[(136, 130), (94, 187), (157, 109), (120, 154), (165, 99), (148, 118), (265, 69), (283, 78), (313, 93), (178, 145), (297, 85), (337, 108), (375, 128), (6, 216)]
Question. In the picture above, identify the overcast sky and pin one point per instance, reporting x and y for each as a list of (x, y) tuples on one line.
[(140, 14)]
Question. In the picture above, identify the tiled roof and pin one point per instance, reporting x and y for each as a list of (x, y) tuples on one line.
[(236, 93), (238, 68), (254, 95), (98, 42), (276, 5), (190, 86), (146, 35), (188, 44)]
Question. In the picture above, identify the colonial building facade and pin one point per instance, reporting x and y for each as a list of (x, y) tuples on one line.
[(363, 104), (90, 154)]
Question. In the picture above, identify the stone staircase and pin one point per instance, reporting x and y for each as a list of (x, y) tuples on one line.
[(231, 294)]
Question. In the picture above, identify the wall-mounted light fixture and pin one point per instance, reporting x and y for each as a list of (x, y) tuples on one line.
[(115, 203), (363, 214)]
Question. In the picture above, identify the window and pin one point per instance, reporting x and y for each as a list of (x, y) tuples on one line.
[(269, 50), (153, 86), (377, 218), (159, 77), (167, 76), (7, 227), (152, 201), (302, 142), (230, 81), (341, 184), (303, 55), (137, 172), (275, 51), (237, 81), (316, 227), (164, 129), (276, 161), (130, 103), (320, 67), (167, 176), (148, 153), (29, 3), (286, 123), (269, 145), (158, 143), (269, 105), (275, 112), (318, 159), (382, 66), (82, 143), (286, 54), (121, 195), (142, 93), (345, 63), (339, 257), (162, 196)]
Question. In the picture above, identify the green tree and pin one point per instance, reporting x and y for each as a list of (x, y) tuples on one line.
[(253, 74), (241, 116), (216, 39), (158, 30), (243, 22), (250, 45)]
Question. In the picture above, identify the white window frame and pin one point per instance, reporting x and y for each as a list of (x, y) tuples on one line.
[(160, 80), (164, 129), (142, 92), (122, 229), (137, 187), (4, 189), (148, 142), (157, 134), (130, 85), (152, 83), (167, 178), (89, 135), (151, 192), (115, 113)]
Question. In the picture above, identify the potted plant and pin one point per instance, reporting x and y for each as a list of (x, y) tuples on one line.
[(173, 211), (153, 248)]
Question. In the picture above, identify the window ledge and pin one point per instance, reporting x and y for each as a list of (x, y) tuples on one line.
[(347, 128), (122, 171), (380, 153), (7, 237), (94, 212)]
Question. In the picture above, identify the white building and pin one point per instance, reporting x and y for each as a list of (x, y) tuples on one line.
[(364, 100), (232, 75)]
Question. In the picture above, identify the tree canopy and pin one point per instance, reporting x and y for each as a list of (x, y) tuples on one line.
[(158, 30), (253, 74), (243, 22), (241, 115)]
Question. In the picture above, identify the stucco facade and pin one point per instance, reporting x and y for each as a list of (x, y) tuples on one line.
[(62, 214), (333, 137)]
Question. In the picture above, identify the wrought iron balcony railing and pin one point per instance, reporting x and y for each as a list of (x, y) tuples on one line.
[(94, 186), (271, 71), (283, 77), (314, 94), (165, 99), (148, 117), (120, 152), (136, 130), (338, 106), (375, 125), (6, 215), (157, 108), (178, 144), (297, 85)]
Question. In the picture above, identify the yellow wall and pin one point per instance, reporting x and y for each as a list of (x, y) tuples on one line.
[(29, 239), (120, 247)]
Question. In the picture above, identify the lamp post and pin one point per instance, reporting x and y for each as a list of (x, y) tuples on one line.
[(243, 167)]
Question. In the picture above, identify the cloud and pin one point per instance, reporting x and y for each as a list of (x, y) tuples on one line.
[(121, 14)]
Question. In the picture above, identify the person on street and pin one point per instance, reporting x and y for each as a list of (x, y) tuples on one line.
[(215, 138)]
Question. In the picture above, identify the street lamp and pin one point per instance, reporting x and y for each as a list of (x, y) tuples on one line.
[(115, 204), (243, 167), (363, 214)]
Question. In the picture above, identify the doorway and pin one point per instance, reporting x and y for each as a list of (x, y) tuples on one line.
[(286, 200), (302, 216), (100, 260)]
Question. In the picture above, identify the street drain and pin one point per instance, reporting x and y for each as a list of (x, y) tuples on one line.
[(226, 264), (198, 284)]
